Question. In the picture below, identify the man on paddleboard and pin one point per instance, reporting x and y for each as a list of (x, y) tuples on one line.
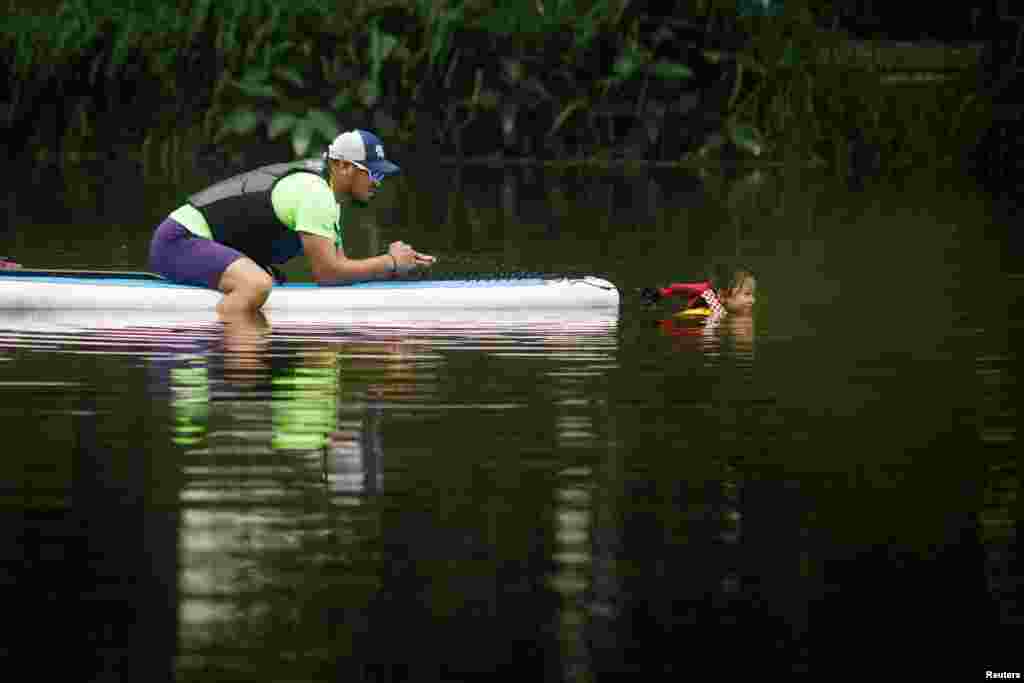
[(229, 236)]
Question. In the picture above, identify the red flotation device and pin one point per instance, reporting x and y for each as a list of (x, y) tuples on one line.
[(691, 290)]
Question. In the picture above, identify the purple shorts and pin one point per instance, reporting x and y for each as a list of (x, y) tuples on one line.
[(183, 257)]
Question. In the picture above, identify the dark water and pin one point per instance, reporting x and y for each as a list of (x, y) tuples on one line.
[(831, 488)]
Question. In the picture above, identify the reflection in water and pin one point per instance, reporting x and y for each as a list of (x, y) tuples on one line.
[(190, 386), (559, 498), (573, 520), (316, 442), (708, 335), (285, 431), (998, 426), (664, 521)]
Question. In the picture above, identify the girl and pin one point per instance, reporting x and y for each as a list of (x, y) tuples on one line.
[(713, 298)]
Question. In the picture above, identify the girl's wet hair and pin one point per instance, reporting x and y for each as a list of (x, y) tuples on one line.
[(727, 276)]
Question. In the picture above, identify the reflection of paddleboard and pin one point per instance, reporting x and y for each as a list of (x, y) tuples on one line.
[(418, 322), (580, 335), (112, 291)]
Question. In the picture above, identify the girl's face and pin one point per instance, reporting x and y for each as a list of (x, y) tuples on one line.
[(740, 301)]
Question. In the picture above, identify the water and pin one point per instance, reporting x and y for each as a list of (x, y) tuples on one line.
[(831, 487)]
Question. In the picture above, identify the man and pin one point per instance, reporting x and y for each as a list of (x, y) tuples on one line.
[(228, 236)]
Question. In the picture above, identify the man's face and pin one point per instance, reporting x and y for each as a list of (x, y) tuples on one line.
[(364, 187)]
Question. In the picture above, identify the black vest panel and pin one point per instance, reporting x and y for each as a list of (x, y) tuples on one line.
[(240, 214)]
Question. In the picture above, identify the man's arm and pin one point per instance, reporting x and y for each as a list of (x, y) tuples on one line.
[(331, 266)]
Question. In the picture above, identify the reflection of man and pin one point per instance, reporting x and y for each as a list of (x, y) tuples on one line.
[(353, 458), (246, 340), (299, 394), (298, 400), (353, 462), (304, 403)]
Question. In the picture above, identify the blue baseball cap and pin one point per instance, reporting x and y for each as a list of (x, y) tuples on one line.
[(364, 148)]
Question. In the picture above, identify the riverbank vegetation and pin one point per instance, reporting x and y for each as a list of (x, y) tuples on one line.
[(167, 82)]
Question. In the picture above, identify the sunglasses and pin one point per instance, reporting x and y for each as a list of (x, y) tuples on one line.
[(375, 176)]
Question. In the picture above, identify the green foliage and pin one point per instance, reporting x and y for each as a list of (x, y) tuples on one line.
[(635, 59), (302, 136), (541, 17), (527, 16), (759, 8), (158, 30), (271, 74), (256, 83), (341, 101), (671, 70), (324, 124), (746, 137), (808, 90), (281, 122), (440, 22), (381, 46), (589, 25), (628, 63), (241, 121), (304, 123)]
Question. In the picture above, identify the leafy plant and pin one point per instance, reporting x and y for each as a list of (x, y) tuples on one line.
[(746, 137), (304, 124), (440, 21), (270, 62), (381, 46), (589, 25), (526, 16), (537, 17), (635, 59)]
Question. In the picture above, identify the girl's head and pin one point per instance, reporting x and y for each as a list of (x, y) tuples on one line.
[(736, 290)]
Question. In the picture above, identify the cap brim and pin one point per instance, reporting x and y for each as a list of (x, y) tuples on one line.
[(381, 166)]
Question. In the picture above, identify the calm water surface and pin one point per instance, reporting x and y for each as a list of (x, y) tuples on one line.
[(830, 487)]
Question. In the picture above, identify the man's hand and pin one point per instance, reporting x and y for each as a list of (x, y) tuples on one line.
[(407, 258)]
